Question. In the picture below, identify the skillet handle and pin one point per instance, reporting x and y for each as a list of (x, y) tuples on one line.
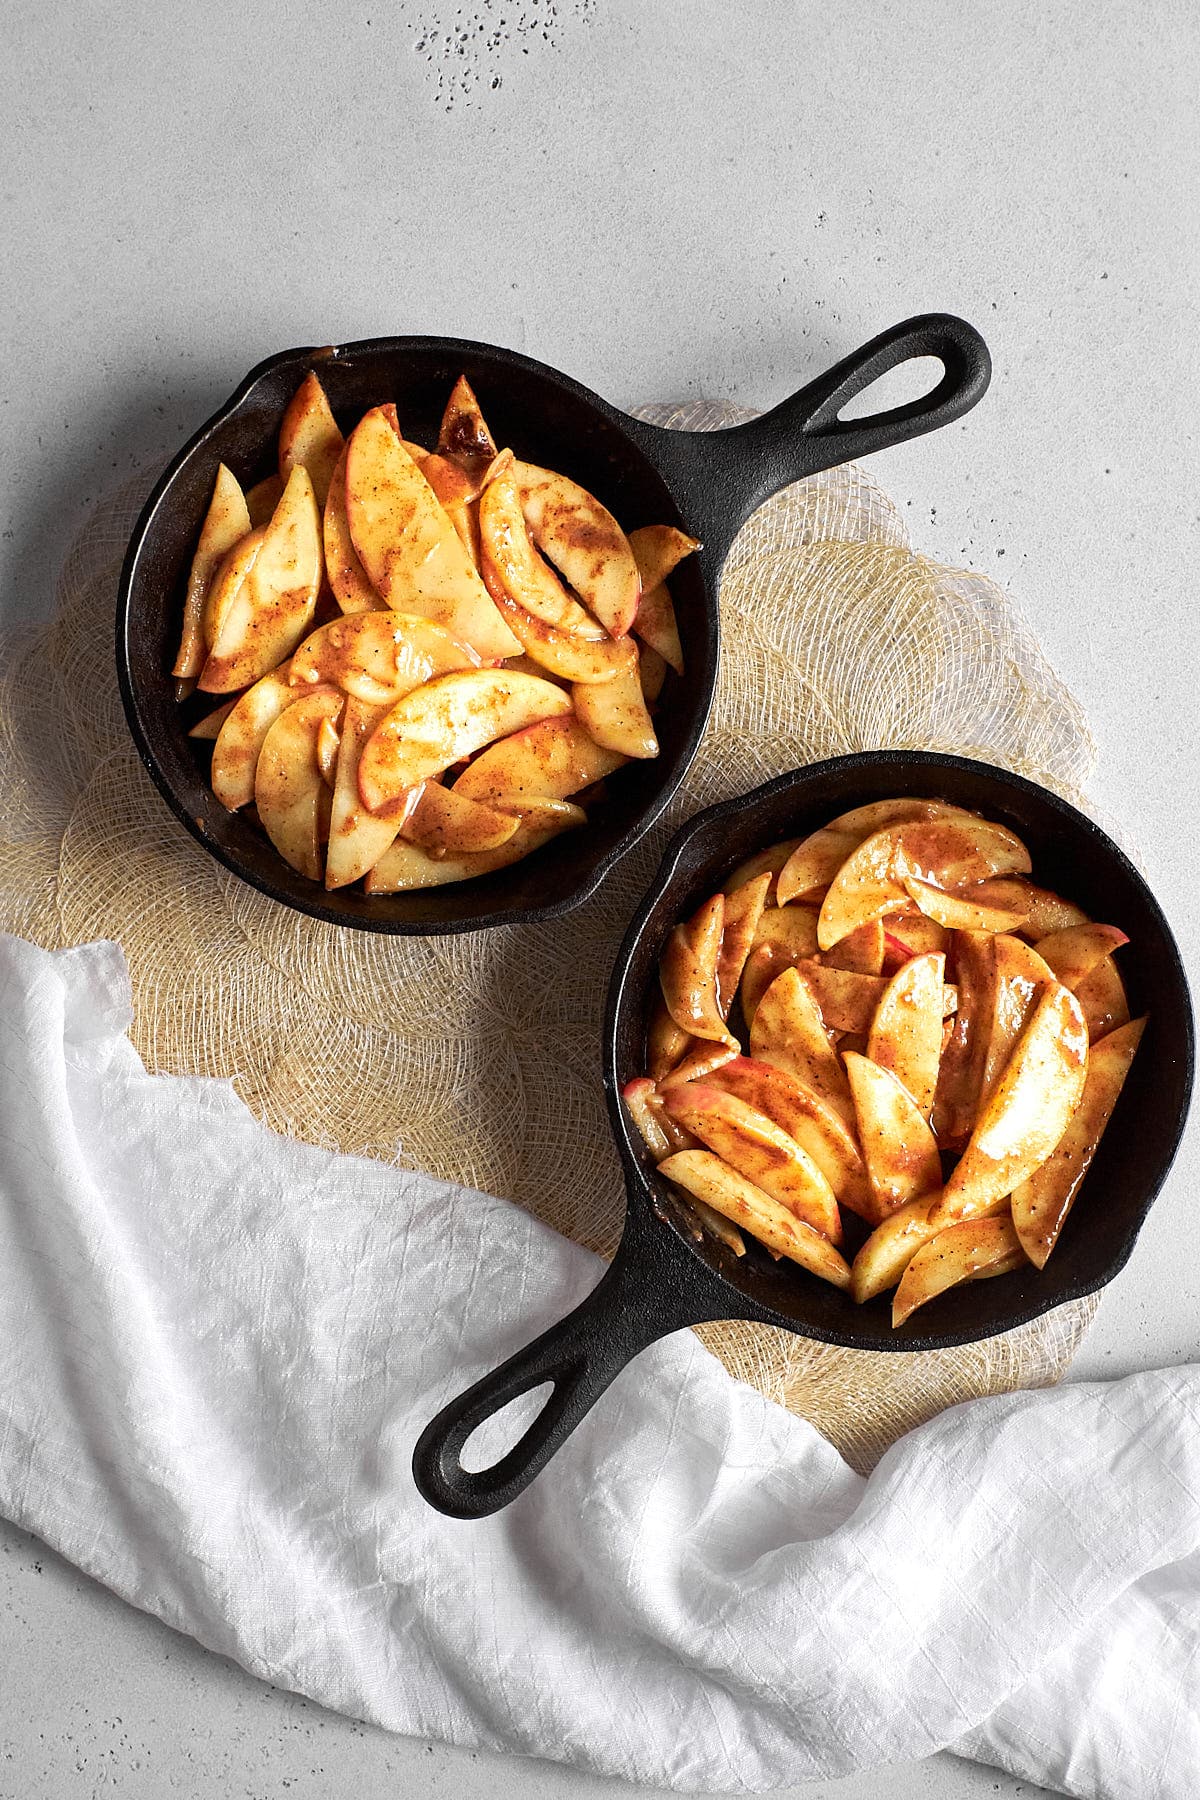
[(636, 1302), (722, 476)]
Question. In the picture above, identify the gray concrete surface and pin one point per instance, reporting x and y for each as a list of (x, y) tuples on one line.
[(668, 201)]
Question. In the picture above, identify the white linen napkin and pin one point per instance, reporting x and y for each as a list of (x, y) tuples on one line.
[(217, 1349)]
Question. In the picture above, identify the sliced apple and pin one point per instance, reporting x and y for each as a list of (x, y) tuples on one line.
[(346, 575), (771, 859), (743, 910), (1101, 994), (761, 967), (584, 542), (448, 823), (706, 1177), (658, 551), (1047, 912), (309, 436), (226, 522), (549, 760), (357, 839), (1028, 1111), (408, 547), (814, 862), (464, 433), (911, 934), (864, 820), (447, 719), (240, 739), (1017, 976), (614, 712), (759, 1149), (687, 973), (847, 1000), (406, 867), (960, 1073), (527, 579), (701, 1060), (861, 951), (945, 852), (379, 656), (262, 499), (787, 1032), (791, 931), (810, 1120), (652, 673), (270, 612), (1041, 1204), (1074, 952), (658, 627), (207, 729), (228, 578), (962, 911), (639, 1096), (906, 1028), (666, 1042), (899, 1149), (564, 654), (288, 784), (965, 1252)]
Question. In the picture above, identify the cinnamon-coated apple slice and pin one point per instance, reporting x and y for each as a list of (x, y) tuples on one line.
[(226, 522), (707, 1177), (787, 1032), (761, 967), (406, 867), (965, 910), (701, 1060), (904, 808), (899, 1149), (262, 499), (960, 1072), (549, 760), (757, 1148), (1017, 977), (666, 1041), (357, 839), (814, 862), (449, 824), (1041, 1204), (847, 1000), (379, 656), (447, 719), (615, 714), (287, 781), (945, 852), (860, 951), (1074, 952), (240, 739), (309, 436), (965, 1252), (228, 578), (1046, 912), (662, 1137), (526, 577), (406, 543), (345, 573), (910, 933), (658, 551), (890, 1248), (584, 542), (639, 1097), (658, 627), (564, 654), (791, 931), (771, 859), (687, 973), (271, 610), (1028, 1110), (743, 911), (906, 1029), (652, 673), (808, 1118), (208, 729), (464, 434), (1101, 995)]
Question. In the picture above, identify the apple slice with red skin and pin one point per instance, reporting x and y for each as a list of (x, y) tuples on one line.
[(262, 499), (700, 1061), (614, 712), (706, 1177), (1017, 977), (687, 973), (240, 739), (226, 523), (407, 545), (1027, 1112), (965, 1252), (1101, 994), (346, 576), (271, 610), (743, 910), (1041, 1204), (771, 859), (910, 933), (406, 867), (666, 1041), (584, 542), (379, 656), (757, 1148), (447, 719), (287, 781), (808, 1118), (861, 951), (946, 852), (788, 1033), (309, 436), (847, 1000), (526, 577), (905, 1033), (658, 551), (1074, 952), (357, 839), (549, 760), (899, 1149)]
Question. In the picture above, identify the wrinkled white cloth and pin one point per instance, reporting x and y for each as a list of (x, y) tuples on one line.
[(217, 1349)]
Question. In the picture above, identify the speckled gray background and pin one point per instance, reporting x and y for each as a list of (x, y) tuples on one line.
[(664, 201)]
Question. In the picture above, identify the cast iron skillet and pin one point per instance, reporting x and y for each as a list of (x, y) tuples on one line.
[(706, 482), (662, 1278)]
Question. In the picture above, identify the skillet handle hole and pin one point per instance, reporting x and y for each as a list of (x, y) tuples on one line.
[(904, 385), (496, 1436)]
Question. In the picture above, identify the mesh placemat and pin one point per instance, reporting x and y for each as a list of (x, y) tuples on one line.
[(477, 1057)]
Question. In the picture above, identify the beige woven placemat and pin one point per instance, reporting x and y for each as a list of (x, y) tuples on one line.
[(477, 1057)]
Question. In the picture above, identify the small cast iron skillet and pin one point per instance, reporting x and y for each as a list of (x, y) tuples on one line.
[(707, 482), (662, 1278)]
